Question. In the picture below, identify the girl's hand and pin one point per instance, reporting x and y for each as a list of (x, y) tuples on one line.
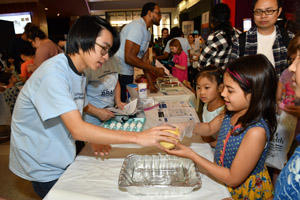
[(181, 151), (293, 110), (101, 149)]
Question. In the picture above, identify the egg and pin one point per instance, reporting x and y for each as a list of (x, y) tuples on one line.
[(112, 125), (168, 145), (119, 125)]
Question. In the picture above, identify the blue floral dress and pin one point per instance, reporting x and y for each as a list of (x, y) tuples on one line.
[(258, 185)]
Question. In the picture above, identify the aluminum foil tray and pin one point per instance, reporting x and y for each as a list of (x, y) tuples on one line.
[(158, 175)]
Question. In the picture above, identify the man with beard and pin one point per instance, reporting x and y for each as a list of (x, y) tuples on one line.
[(133, 51)]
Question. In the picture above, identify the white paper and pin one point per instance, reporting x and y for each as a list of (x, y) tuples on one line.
[(129, 109), (159, 65), (176, 111)]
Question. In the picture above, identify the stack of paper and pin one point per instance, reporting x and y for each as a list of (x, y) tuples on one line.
[(129, 109)]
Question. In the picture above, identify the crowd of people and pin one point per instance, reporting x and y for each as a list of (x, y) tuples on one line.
[(243, 80)]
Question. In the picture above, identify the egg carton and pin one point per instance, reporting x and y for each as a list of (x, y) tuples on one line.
[(132, 124)]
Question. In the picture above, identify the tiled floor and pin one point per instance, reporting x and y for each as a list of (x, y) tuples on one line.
[(11, 186)]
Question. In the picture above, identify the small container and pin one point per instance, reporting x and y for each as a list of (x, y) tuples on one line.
[(142, 90), (159, 175)]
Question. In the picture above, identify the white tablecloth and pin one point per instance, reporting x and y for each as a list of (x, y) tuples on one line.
[(91, 177)]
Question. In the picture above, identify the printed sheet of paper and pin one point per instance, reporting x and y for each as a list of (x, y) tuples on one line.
[(176, 111), (158, 64), (129, 109)]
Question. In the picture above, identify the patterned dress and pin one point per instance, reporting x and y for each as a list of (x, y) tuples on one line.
[(258, 185), (288, 181)]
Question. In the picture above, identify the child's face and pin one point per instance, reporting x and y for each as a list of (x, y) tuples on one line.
[(234, 97), (190, 39), (295, 67), (165, 34), (12, 79), (208, 90), (174, 49)]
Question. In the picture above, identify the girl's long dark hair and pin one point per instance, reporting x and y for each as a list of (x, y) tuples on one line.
[(221, 21), (256, 76)]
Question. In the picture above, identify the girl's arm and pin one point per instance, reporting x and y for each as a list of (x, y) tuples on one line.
[(183, 59), (118, 101), (207, 129), (180, 67), (243, 164), (81, 130)]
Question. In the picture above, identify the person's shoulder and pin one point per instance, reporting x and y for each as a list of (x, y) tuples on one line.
[(183, 54), (182, 40), (252, 31), (135, 23), (49, 43), (291, 34), (56, 63), (27, 62), (284, 31)]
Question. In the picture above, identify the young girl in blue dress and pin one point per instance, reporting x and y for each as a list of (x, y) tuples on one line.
[(249, 93)]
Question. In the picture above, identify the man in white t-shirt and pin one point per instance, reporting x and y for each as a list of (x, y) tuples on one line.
[(265, 37)]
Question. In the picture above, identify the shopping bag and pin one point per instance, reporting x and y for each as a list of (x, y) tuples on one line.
[(282, 141)]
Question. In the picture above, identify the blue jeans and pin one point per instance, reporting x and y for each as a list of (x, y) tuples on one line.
[(124, 80), (42, 188)]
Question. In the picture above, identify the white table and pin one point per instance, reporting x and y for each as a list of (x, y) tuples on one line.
[(184, 95), (91, 177)]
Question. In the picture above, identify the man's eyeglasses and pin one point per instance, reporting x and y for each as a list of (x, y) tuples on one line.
[(267, 12), (159, 13), (104, 50)]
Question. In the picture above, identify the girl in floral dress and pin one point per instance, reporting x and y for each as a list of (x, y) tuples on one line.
[(250, 97)]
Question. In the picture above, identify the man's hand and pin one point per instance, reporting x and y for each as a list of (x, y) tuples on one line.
[(152, 88), (101, 149), (159, 72)]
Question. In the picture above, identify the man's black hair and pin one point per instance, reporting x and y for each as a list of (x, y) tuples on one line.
[(148, 6), (279, 3), (84, 32)]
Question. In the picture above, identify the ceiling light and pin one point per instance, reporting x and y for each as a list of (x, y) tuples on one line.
[(46, 8), (58, 14)]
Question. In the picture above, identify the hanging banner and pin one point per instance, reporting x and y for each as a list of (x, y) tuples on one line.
[(205, 25)]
